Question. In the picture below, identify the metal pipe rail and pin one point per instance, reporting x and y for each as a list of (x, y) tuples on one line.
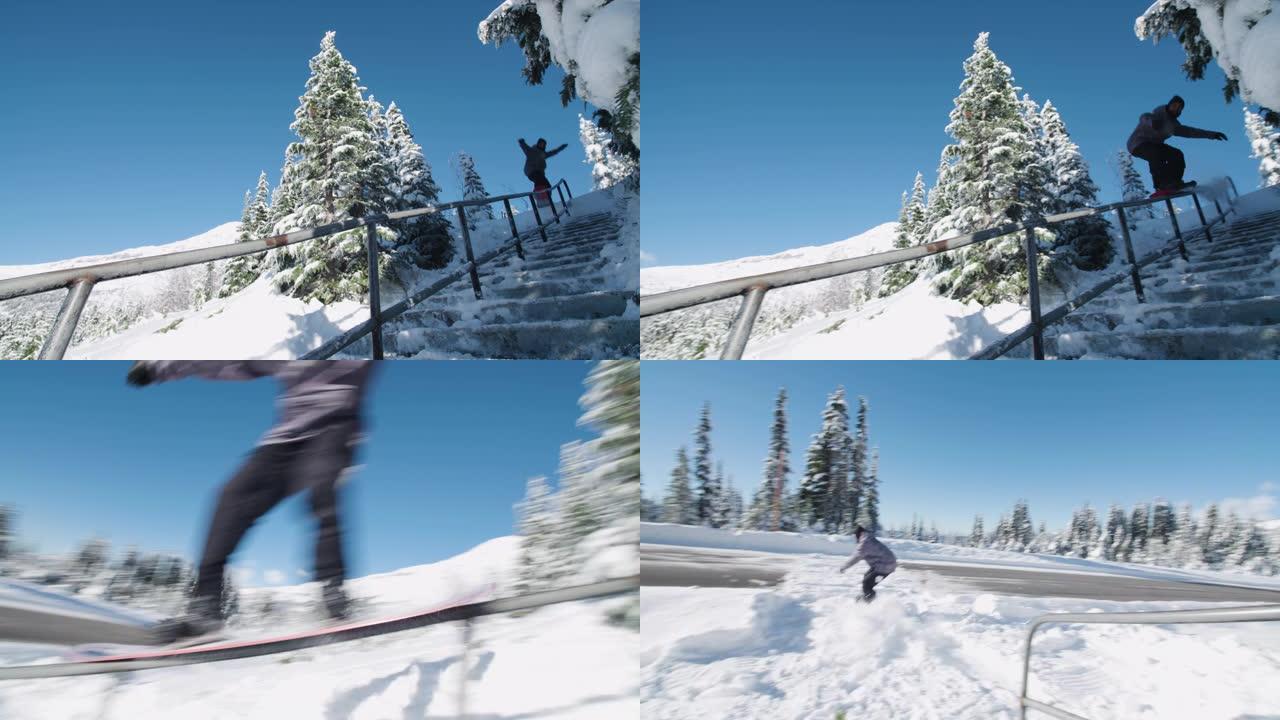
[(753, 288), (80, 281), (466, 612), (1243, 613)]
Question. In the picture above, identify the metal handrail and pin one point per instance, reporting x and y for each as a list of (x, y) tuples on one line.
[(1243, 613), (466, 612), (753, 288), (80, 281)]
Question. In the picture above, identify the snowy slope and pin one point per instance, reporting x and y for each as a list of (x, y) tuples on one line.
[(927, 648), (684, 333), (561, 661), (257, 322)]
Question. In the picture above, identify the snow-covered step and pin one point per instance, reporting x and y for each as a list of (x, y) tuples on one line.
[(1185, 293), (1197, 265), (586, 306), (1210, 343), (1230, 275), (547, 263), (1220, 313), (557, 340)]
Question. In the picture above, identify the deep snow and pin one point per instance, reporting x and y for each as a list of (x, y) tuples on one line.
[(928, 647)]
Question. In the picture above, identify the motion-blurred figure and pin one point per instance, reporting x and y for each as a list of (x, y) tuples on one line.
[(310, 446)]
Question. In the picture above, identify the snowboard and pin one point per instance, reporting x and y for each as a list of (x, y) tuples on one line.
[(542, 194), (218, 646), (1165, 192)]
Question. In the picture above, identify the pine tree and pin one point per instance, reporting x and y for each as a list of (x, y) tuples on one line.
[(721, 509), (1071, 188), (911, 231), (1132, 187), (735, 504), (1163, 526), (472, 189), (1139, 531), (611, 407), (702, 477), (677, 505), (581, 506), (1020, 527), (869, 512), (1186, 551), (815, 489), (1265, 142), (425, 240), (255, 223), (992, 172), (838, 514), (6, 531), (978, 537), (859, 457), (608, 168), (537, 536), (778, 462), (230, 598), (1117, 533), (335, 139), (1209, 550)]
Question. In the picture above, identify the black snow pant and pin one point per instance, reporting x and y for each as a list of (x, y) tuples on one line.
[(272, 473), (869, 583), (1167, 164), (539, 178)]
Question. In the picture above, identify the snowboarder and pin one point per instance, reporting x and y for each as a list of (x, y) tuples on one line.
[(880, 561), (1167, 162), (310, 446), (535, 167)]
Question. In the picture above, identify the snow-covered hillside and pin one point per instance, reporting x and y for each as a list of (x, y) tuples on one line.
[(698, 332), (169, 314), (561, 661), (931, 646)]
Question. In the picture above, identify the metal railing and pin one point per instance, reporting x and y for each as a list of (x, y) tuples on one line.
[(80, 281), (467, 613), (753, 288), (1245, 613)]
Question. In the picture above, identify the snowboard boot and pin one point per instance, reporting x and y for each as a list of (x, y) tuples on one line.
[(203, 617), (336, 602)]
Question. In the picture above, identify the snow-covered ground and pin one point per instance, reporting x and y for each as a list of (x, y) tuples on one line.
[(563, 661), (930, 647), (912, 324), (258, 322)]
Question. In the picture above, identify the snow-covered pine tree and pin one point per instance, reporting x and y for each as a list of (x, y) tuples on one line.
[(721, 508), (978, 537), (537, 537), (735, 504), (1071, 188), (608, 168), (1139, 532), (254, 224), (840, 450), (1265, 142), (1132, 187), (650, 511), (1117, 533), (859, 458), (1020, 527), (1209, 537), (611, 407), (992, 174), (777, 464), (869, 512), (1185, 551), (1225, 534), (938, 220), (230, 598), (1038, 193), (1163, 526), (425, 240), (677, 504), (604, 71), (377, 168), (335, 138), (581, 506), (6, 531), (911, 231), (814, 495), (703, 480), (472, 188)]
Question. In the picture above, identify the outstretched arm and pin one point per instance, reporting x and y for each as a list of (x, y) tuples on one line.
[(1187, 131), (524, 146), (853, 560), (553, 152), (153, 371)]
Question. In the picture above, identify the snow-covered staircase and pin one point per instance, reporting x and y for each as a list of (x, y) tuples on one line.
[(557, 303), (1223, 303)]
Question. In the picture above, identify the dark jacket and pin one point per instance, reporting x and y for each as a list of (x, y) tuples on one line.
[(316, 394), (535, 158), (1160, 125), (879, 557)]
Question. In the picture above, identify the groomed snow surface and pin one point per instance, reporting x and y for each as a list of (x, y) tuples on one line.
[(562, 661), (931, 648)]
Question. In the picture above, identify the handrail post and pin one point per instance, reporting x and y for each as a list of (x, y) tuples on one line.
[(740, 331), (471, 258), (551, 200), (1178, 231), (467, 630), (1203, 222), (64, 326), (563, 204), (1221, 215), (533, 200), (570, 192), (375, 303), (515, 234), (1128, 251), (1033, 291)]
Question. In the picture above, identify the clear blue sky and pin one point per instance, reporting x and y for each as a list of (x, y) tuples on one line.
[(451, 446), (144, 122), (957, 439), (771, 127)]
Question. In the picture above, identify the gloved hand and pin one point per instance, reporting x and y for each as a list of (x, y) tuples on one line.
[(843, 569), (139, 375), (1219, 136)]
